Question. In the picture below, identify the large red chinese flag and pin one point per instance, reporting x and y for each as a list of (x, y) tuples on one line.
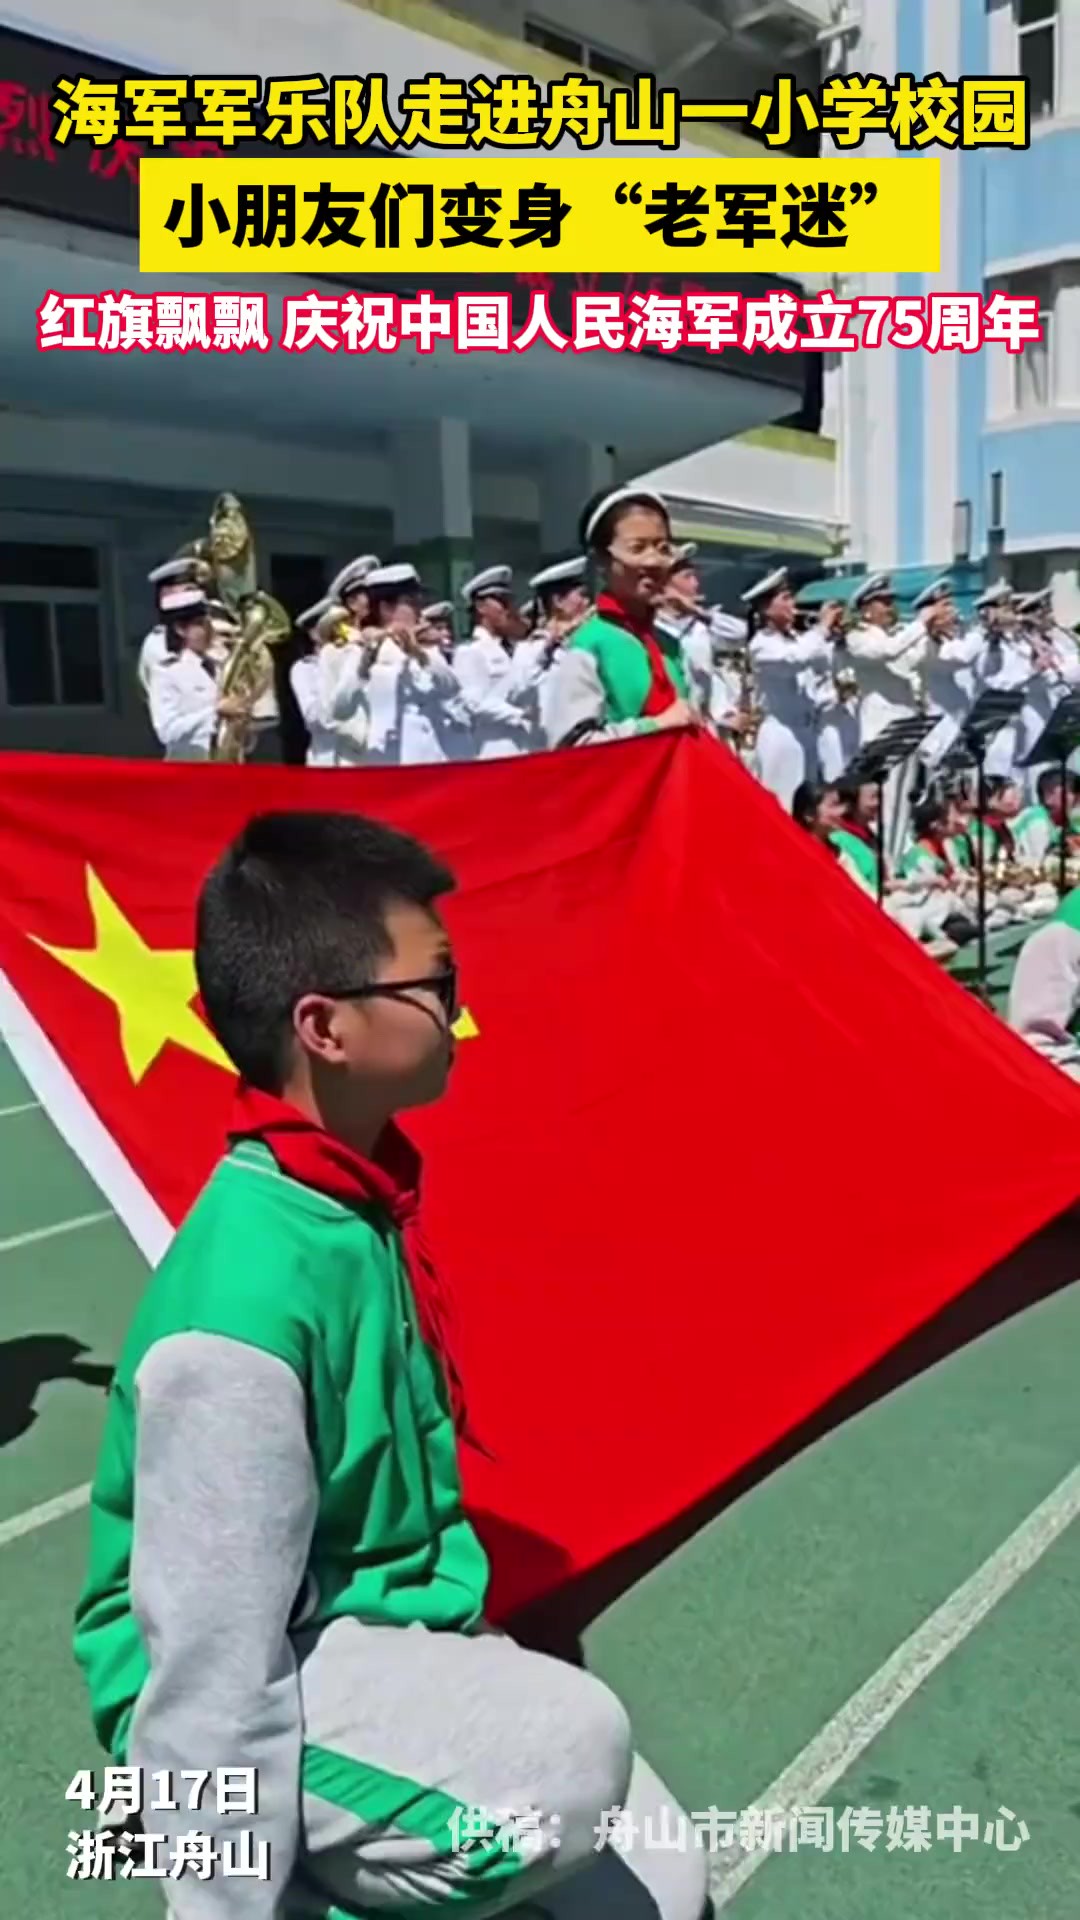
[(690, 1179)]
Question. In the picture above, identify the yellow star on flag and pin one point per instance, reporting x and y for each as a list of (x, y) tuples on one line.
[(151, 988)]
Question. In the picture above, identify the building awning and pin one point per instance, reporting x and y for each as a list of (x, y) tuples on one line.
[(750, 539)]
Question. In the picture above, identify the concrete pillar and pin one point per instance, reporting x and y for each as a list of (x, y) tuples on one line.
[(431, 497), (569, 474)]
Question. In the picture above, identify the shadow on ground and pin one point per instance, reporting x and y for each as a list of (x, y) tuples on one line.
[(32, 1362)]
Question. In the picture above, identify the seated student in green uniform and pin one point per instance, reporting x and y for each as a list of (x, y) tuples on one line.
[(1004, 804), (282, 1574), (1037, 831), (856, 836), (923, 902), (620, 673), (818, 809), (931, 853)]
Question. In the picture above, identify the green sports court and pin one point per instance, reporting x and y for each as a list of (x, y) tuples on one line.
[(886, 1621)]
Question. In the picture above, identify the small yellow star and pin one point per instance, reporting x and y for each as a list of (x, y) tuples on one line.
[(152, 989)]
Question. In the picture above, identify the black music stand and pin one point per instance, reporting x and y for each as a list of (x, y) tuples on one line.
[(992, 711), (1056, 745), (876, 761)]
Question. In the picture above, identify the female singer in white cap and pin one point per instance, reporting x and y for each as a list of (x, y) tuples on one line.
[(619, 674), (784, 663)]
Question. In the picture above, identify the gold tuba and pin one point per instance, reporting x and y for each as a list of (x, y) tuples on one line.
[(249, 670)]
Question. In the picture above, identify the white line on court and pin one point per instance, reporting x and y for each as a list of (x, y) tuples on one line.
[(24, 1106), (844, 1738), (35, 1517), (827, 1757), (61, 1226)]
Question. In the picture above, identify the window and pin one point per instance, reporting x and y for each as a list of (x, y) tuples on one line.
[(298, 580), (996, 516), (50, 626), (1036, 23), (580, 54), (1033, 370)]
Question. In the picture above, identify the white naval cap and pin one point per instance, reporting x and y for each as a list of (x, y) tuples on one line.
[(879, 586), (496, 580), (355, 573), (775, 582), (439, 610), (1040, 602), (999, 595), (564, 573), (934, 594), (184, 598), (684, 555), (311, 615), (174, 570), (402, 577)]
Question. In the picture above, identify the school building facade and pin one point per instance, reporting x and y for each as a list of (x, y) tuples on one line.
[(969, 460), (108, 462)]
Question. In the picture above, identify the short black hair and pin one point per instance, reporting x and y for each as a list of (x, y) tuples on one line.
[(602, 535), (808, 798), (296, 904), (1046, 783), (928, 813)]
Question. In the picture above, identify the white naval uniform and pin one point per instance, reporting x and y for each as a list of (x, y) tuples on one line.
[(153, 653), (1002, 666), (1044, 691), (434, 723), (714, 688), (305, 682), (183, 706), (496, 696), (786, 753), (949, 678), (837, 720), (886, 667), (342, 704)]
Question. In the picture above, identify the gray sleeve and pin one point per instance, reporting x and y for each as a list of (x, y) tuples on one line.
[(575, 705), (225, 1506)]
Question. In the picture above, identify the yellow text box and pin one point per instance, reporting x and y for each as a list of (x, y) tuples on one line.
[(586, 215)]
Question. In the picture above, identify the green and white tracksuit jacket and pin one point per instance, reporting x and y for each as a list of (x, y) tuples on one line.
[(282, 1577)]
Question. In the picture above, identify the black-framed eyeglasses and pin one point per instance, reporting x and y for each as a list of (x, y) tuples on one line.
[(444, 987)]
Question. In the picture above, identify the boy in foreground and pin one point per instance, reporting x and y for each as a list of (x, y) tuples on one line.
[(282, 1574)]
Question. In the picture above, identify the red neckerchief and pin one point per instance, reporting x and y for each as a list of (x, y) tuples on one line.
[(935, 844), (1002, 833), (662, 693), (861, 831), (307, 1153)]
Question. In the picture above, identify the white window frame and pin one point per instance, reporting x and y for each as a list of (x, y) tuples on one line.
[(1021, 284), (53, 597), (1050, 24)]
